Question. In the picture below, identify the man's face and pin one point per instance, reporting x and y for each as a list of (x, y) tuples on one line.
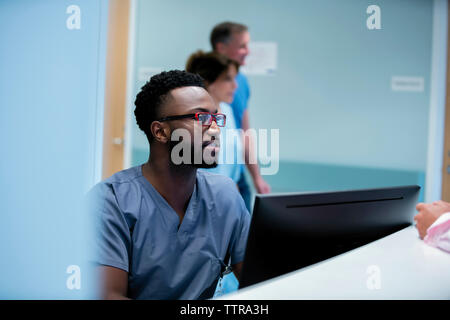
[(236, 48), (203, 139)]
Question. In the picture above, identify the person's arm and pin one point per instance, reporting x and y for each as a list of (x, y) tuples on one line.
[(112, 242), (237, 268), (438, 234), (428, 214), (260, 185), (113, 284)]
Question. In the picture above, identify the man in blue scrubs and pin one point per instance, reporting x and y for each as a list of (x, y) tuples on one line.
[(165, 229), (231, 39)]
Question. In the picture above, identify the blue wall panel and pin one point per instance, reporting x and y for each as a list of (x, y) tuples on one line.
[(51, 93)]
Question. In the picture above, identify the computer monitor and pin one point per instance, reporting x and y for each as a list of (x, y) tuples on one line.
[(292, 231)]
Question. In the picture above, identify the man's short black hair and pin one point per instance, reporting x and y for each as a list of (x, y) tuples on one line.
[(154, 92), (223, 31)]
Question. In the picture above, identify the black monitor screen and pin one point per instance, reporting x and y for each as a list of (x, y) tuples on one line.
[(292, 231)]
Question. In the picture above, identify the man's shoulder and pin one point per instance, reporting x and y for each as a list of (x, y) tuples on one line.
[(217, 186), (222, 191), (117, 195), (214, 180), (125, 176), (242, 93), (242, 79)]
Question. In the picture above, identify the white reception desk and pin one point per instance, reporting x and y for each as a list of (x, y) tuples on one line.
[(399, 266)]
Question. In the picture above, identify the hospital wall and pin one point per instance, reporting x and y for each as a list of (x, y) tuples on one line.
[(51, 112), (341, 125)]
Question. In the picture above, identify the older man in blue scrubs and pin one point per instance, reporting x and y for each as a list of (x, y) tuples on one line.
[(165, 228), (231, 39)]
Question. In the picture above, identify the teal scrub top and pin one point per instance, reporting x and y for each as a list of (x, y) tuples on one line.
[(138, 232)]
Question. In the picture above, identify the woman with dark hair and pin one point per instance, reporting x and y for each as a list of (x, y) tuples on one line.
[(219, 73)]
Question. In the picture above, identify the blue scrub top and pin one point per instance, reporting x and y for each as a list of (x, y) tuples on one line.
[(138, 233), (240, 99)]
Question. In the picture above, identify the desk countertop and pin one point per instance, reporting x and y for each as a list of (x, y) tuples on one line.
[(399, 266)]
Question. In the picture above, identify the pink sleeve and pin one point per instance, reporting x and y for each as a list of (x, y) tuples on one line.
[(438, 234)]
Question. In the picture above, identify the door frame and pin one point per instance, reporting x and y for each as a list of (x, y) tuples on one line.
[(445, 194), (438, 81), (129, 118), (116, 87)]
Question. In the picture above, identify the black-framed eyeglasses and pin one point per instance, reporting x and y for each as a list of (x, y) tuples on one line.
[(205, 118)]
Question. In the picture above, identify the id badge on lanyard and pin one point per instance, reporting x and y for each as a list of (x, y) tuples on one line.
[(219, 291)]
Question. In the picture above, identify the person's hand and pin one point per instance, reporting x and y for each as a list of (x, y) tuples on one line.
[(428, 214), (261, 186)]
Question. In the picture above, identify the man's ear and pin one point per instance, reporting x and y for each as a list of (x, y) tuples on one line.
[(160, 131)]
